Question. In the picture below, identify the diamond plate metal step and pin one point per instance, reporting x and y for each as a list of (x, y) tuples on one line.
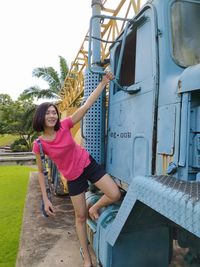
[(177, 200)]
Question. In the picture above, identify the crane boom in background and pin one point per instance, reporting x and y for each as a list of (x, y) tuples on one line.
[(73, 87)]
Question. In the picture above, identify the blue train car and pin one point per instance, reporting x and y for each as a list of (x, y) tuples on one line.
[(150, 142)]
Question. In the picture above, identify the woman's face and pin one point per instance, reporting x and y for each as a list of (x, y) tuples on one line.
[(51, 117)]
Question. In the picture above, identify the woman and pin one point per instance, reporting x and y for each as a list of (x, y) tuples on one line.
[(74, 162)]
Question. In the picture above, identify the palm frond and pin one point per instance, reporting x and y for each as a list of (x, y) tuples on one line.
[(53, 79), (47, 93), (32, 91), (49, 75), (37, 92), (64, 69)]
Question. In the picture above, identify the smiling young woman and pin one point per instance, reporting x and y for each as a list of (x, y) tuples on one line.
[(74, 162)]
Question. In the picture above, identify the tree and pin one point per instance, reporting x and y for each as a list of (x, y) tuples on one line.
[(22, 121), (16, 118), (5, 99), (54, 80), (5, 112)]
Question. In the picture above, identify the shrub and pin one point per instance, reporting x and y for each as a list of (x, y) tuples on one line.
[(19, 145)]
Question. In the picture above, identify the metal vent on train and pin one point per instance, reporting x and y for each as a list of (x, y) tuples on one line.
[(93, 122)]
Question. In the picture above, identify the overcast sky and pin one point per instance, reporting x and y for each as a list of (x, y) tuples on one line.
[(33, 34)]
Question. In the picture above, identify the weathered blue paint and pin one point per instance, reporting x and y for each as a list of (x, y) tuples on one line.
[(168, 196), (155, 131), (190, 79)]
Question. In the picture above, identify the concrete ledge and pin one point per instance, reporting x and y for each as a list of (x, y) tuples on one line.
[(16, 154), (3, 159), (17, 158)]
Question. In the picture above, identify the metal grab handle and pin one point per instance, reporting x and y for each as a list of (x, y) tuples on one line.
[(123, 88), (136, 22), (126, 89), (102, 17)]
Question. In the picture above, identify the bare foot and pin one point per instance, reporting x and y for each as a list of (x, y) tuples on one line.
[(86, 259), (93, 213), (87, 264)]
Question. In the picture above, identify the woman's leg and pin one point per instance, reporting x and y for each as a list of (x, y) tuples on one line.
[(80, 209), (111, 194)]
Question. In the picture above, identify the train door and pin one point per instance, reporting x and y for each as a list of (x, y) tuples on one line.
[(131, 113)]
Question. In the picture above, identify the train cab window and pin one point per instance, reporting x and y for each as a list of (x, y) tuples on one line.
[(127, 76), (137, 62), (185, 22), (127, 73)]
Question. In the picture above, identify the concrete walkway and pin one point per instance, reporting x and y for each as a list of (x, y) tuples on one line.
[(48, 242)]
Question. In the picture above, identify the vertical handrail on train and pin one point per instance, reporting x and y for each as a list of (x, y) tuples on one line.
[(90, 39), (183, 133), (116, 79)]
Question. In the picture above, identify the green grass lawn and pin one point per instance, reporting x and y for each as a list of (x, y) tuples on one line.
[(7, 139), (13, 189)]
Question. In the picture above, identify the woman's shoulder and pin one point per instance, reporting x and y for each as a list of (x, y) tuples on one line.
[(37, 140), (39, 144), (67, 123), (35, 148)]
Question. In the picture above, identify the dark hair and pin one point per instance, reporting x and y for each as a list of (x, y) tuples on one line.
[(39, 117)]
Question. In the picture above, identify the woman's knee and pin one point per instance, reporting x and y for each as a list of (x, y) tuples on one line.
[(109, 187), (81, 217), (116, 195)]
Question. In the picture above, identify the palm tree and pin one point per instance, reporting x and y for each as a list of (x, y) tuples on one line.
[(54, 80)]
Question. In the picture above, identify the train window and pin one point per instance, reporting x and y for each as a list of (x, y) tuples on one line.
[(137, 64), (127, 73), (186, 33)]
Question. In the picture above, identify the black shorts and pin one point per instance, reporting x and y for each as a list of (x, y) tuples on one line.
[(93, 173)]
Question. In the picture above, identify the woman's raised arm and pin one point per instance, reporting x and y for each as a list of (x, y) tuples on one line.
[(78, 115)]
